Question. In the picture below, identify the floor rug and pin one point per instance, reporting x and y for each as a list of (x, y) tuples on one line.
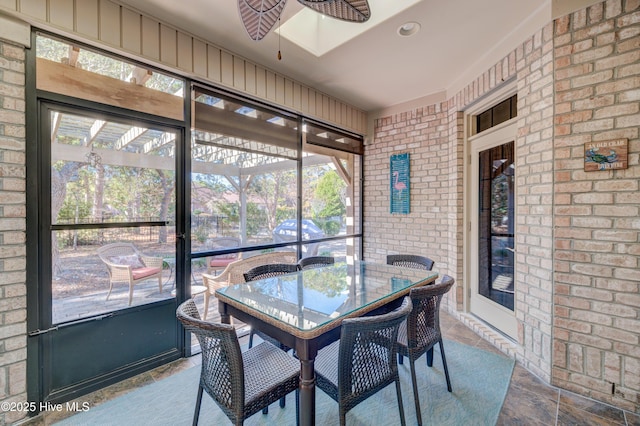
[(480, 380)]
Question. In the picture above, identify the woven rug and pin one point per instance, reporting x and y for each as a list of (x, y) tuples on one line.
[(480, 380)]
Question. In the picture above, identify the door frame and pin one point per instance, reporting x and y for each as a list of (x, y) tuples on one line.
[(40, 328), (506, 322)]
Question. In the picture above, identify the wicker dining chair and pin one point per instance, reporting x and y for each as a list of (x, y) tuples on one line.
[(421, 331), (241, 383), (268, 271), (363, 361), (258, 273), (410, 261), (315, 262)]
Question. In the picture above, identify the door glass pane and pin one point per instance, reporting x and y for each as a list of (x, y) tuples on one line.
[(496, 225), (111, 183)]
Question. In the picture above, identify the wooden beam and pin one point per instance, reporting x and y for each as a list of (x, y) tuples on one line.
[(165, 139), (56, 119), (131, 135), (60, 78), (215, 120), (95, 129), (342, 172), (78, 154), (72, 59), (268, 168), (139, 76), (317, 149)]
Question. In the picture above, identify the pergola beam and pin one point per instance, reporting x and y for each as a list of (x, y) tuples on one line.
[(96, 127), (218, 121), (78, 154), (139, 76), (131, 135)]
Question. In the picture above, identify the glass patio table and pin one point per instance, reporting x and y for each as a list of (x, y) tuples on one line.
[(304, 310)]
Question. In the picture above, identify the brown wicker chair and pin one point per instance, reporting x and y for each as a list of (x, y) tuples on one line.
[(420, 333), (258, 273), (315, 262), (410, 261), (240, 383), (363, 361), (126, 264), (268, 271)]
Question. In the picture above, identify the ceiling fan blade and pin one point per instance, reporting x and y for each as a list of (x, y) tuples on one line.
[(259, 16), (347, 10)]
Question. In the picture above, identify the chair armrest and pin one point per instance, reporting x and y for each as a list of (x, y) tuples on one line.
[(119, 272), (117, 266), (214, 282)]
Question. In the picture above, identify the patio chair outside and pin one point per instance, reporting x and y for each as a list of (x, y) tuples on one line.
[(363, 361), (218, 263), (234, 272), (315, 262), (127, 264), (241, 384), (421, 331), (410, 261)]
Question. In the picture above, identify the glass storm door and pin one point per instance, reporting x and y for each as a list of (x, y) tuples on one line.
[(492, 230), (107, 304)]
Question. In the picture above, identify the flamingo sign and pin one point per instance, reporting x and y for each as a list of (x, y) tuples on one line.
[(399, 183)]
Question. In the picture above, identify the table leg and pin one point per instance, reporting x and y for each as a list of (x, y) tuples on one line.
[(307, 386), (225, 318)]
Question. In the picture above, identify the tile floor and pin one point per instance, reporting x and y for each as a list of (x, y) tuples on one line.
[(529, 401)]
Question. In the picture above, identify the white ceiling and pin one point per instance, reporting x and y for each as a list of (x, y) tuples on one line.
[(459, 40)]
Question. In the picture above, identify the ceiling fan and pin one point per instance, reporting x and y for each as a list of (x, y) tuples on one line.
[(259, 16)]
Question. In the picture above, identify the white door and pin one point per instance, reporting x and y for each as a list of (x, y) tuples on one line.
[(492, 227)]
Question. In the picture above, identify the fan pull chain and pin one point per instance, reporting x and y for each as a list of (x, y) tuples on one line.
[(279, 54)]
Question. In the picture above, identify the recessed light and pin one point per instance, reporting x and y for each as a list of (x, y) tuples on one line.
[(408, 29)]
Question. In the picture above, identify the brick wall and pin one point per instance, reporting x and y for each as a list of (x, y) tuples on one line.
[(577, 237), (597, 258), (12, 229), (423, 133), (435, 226), (534, 194)]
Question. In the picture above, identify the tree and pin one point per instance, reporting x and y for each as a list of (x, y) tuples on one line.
[(277, 191), (332, 191), (61, 174)]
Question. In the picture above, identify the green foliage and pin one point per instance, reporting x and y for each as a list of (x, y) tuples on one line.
[(256, 219), (331, 190), (328, 284), (73, 209), (329, 227)]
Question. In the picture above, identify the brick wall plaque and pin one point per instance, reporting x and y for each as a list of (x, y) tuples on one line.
[(399, 183), (606, 155)]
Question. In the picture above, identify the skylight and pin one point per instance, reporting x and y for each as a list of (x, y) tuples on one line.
[(319, 34)]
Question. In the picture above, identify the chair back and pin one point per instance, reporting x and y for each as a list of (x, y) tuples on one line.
[(222, 369), (315, 262), (268, 271), (109, 252), (367, 354), (423, 324), (410, 261)]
